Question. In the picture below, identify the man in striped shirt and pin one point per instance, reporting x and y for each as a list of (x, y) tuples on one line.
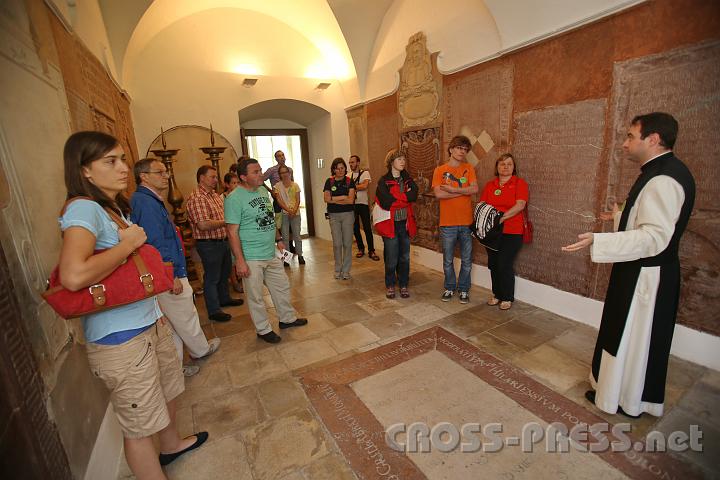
[(207, 219)]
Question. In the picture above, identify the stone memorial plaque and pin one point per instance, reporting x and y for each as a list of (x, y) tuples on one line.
[(479, 106), (422, 154), (382, 132), (684, 83), (558, 152)]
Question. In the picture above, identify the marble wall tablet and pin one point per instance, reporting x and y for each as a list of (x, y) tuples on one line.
[(479, 106), (685, 83), (422, 153), (558, 152)]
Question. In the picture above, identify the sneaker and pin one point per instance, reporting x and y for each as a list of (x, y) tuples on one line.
[(190, 370), (337, 275), (447, 296), (299, 322), (301, 260), (346, 276), (404, 293), (214, 344), (464, 297), (220, 317), (390, 293), (270, 337)]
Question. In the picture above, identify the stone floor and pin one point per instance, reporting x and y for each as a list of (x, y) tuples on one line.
[(262, 425)]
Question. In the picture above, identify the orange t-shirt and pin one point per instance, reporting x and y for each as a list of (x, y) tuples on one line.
[(458, 210)]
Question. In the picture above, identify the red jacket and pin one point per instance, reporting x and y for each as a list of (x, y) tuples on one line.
[(389, 197)]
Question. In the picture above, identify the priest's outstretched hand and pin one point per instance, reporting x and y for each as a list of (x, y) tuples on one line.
[(586, 239)]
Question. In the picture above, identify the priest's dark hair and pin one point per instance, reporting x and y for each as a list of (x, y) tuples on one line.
[(81, 149), (661, 123)]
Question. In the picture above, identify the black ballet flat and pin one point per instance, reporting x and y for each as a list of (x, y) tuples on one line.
[(167, 458)]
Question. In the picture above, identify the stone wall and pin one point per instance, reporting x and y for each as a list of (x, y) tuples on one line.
[(562, 106)]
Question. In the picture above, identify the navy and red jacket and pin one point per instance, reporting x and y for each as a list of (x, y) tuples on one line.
[(389, 197)]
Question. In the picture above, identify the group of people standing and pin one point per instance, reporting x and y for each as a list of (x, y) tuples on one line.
[(136, 349)]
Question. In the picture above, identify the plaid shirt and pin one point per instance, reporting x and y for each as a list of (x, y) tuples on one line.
[(203, 205)]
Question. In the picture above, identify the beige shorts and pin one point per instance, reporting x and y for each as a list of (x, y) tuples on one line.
[(143, 374)]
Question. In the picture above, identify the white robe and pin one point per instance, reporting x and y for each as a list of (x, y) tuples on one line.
[(650, 226)]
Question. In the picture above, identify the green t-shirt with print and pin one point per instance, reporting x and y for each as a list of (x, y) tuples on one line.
[(253, 212)]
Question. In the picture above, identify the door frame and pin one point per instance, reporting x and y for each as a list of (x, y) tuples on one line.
[(305, 160)]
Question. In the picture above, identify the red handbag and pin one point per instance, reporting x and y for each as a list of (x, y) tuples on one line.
[(142, 275)]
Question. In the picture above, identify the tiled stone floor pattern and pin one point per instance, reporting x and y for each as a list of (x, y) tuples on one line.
[(262, 426)]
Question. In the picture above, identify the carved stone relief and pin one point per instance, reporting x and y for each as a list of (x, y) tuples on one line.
[(422, 152), (420, 86)]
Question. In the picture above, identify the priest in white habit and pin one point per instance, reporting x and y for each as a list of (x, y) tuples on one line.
[(630, 362)]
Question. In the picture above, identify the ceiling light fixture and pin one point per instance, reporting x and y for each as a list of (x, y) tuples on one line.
[(249, 82), (322, 86)]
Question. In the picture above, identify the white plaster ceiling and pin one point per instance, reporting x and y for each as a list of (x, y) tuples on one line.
[(345, 40), (303, 113)]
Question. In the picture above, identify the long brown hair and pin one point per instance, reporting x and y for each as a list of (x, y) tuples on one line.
[(81, 149)]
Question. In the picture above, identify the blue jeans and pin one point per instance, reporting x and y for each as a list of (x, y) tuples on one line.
[(217, 265), (397, 256), (450, 236)]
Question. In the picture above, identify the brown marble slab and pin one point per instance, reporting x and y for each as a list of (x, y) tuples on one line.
[(361, 437), (685, 83)]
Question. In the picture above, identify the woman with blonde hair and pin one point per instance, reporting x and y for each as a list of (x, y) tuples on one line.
[(396, 191)]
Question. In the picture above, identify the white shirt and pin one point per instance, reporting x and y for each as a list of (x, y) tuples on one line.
[(361, 196)]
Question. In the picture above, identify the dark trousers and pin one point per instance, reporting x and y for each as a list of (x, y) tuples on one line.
[(217, 265), (362, 212), (501, 264), (397, 257)]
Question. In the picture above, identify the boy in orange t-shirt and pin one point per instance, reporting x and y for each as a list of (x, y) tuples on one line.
[(453, 184)]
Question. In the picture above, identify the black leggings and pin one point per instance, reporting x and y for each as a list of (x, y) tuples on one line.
[(501, 264)]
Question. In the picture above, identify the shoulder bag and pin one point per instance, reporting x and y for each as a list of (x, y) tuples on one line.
[(142, 275)]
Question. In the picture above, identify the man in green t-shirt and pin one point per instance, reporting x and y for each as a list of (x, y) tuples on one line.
[(251, 229)]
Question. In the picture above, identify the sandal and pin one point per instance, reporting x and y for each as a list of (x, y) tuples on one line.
[(373, 256), (493, 301), (404, 293), (360, 254), (390, 293), (505, 305)]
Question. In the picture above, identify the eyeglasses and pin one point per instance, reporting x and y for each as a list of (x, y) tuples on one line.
[(162, 173), (463, 148)]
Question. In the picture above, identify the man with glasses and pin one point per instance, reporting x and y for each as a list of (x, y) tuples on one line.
[(149, 212), (453, 184)]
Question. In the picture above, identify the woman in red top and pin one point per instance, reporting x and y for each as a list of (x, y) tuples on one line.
[(509, 194)]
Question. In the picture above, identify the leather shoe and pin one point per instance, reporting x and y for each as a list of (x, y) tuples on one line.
[(299, 322), (167, 458), (235, 302), (270, 337), (220, 317)]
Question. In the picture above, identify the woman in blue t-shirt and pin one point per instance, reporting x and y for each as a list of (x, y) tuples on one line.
[(129, 347), (339, 194)]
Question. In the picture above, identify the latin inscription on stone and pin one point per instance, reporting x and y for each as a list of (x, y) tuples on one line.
[(558, 152), (686, 84)]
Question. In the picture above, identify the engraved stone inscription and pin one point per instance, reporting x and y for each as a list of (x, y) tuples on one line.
[(558, 153), (684, 83), (479, 106), (422, 152)]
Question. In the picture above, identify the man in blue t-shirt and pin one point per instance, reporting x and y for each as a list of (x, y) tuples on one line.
[(252, 233)]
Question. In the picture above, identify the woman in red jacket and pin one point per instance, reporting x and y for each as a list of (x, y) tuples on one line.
[(395, 192), (509, 194)]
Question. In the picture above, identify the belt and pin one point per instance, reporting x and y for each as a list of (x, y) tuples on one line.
[(211, 240)]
